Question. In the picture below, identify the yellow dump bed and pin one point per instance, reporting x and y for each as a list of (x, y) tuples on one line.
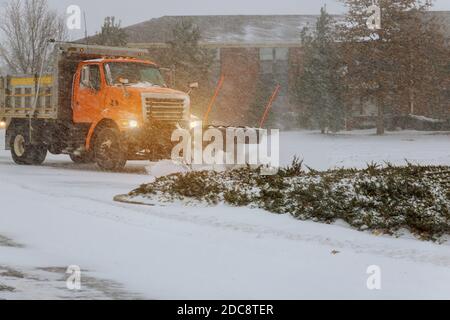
[(18, 97)]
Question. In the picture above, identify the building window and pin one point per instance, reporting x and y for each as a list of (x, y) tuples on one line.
[(274, 54), (266, 54), (266, 60), (274, 60), (281, 54), (216, 54)]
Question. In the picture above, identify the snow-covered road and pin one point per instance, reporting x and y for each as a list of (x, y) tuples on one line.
[(62, 214)]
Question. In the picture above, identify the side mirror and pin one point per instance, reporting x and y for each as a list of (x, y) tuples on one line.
[(85, 77), (124, 81), (192, 87)]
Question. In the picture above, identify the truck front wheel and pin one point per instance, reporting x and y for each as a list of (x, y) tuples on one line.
[(108, 151), (25, 153)]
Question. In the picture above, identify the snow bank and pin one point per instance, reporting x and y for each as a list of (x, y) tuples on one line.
[(2, 139), (359, 148), (387, 199), (425, 119)]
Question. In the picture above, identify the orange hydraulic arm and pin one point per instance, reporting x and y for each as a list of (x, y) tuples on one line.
[(269, 106), (213, 100)]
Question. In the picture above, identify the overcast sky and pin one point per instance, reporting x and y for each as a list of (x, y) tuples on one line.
[(134, 11)]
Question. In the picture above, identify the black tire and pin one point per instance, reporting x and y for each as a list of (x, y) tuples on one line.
[(25, 153), (108, 150), (84, 158)]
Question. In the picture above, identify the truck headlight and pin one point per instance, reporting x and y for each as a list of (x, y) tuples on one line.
[(130, 124), (195, 124), (133, 124), (2, 124)]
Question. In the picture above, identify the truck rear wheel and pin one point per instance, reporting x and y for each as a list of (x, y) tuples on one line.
[(108, 151), (25, 153)]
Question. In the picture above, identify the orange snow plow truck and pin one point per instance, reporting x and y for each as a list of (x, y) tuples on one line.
[(100, 104)]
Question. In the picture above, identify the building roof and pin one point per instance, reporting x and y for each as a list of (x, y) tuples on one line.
[(228, 29), (239, 30)]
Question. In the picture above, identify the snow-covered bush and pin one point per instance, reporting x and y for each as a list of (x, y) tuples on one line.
[(385, 199)]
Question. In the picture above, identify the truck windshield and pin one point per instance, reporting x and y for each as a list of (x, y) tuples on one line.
[(135, 73)]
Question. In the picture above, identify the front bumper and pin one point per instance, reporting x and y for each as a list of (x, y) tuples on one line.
[(153, 141)]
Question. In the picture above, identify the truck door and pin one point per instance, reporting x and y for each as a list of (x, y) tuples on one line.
[(88, 95)]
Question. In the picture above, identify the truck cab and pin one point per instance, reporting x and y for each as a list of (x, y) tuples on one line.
[(104, 105), (130, 97)]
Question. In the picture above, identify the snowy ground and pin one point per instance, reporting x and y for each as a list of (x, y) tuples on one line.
[(62, 214)]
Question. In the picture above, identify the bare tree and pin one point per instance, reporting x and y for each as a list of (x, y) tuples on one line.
[(26, 27)]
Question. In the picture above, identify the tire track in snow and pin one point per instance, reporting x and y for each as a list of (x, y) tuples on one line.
[(141, 217)]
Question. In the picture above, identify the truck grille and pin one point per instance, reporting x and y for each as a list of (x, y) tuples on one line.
[(165, 109)]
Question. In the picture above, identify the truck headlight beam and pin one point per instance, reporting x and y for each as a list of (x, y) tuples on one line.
[(129, 124), (133, 124), (195, 124)]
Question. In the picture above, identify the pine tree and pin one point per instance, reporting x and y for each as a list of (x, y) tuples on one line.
[(112, 34), (318, 86), (398, 65), (191, 62)]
